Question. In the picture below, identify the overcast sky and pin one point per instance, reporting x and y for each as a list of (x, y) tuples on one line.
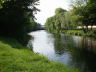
[(48, 7)]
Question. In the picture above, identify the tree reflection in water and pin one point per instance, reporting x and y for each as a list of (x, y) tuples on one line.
[(74, 51), (81, 49)]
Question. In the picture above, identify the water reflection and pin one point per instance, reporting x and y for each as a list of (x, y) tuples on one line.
[(74, 51), (84, 55), (58, 44)]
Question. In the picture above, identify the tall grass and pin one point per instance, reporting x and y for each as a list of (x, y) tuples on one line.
[(16, 58)]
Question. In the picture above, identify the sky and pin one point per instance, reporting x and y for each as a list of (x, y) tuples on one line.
[(47, 9)]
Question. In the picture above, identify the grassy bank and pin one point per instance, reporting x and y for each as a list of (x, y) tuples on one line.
[(74, 32), (16, 58), (90, 33)]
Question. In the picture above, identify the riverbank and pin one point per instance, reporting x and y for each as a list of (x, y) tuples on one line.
[(16, 58), (90, 33)]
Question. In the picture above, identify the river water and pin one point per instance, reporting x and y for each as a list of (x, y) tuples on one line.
[(73, 51)]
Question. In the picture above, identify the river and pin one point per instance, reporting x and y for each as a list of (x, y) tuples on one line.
[(73, 51)]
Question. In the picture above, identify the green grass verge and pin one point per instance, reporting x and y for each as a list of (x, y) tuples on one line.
[(16, 58), (74, 32), (89, 33)]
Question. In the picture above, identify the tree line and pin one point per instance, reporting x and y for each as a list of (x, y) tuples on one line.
[(17, 18), (82, 13)]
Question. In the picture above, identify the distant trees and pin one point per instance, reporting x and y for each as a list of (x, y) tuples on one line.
[(87, 11), (17, 17), (62, 20), (83, 13), (56, 23)]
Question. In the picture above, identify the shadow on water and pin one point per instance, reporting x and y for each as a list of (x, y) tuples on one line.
[(74, 51), (62, 43), (29, 42), (84, 54), (81, 49)]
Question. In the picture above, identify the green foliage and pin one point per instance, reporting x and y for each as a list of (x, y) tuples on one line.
[(16, 17), (74, 32), (83, 13), (61, 21), (59, 11), (3, 1), (87, 13), (56, 23), (17, 58)]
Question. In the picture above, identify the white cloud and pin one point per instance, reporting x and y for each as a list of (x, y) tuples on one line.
[(48, 7)]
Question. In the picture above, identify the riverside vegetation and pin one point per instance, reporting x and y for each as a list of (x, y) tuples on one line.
[(17, 19), (16, 58), (76, 20)]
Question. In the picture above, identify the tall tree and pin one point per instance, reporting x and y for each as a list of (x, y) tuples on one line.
[(16, 16), (56, 23)]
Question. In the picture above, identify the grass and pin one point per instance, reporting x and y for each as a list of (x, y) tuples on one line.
[(89, 33), (74, 32), (16, 58)]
